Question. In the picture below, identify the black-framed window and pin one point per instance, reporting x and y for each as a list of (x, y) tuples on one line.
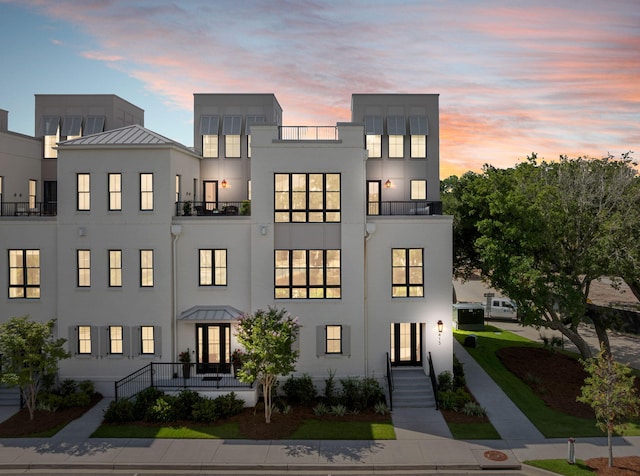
[(146, 268), (308, 274), (418, 189), (24, 274), (115, 268), (307, 198), (146, 191), (115, 192), (407, 272), (84, 192), (116, 340), (333, 343), (147, 340), (84, 268), (213, 267), (84, 340)]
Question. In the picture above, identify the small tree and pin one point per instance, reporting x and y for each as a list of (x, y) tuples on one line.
[(610, 391), (267, 337), (29, 354)]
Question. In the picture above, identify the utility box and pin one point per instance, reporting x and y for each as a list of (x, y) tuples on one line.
[(468, 316)]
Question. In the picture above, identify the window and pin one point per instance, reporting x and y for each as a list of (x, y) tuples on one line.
[(213, 268), (1, 178), (115, 340), (373, 135), (115, 268), (84, 340), (307, 198), (147, 344), (231, 127), (307, 274), (396, 129), (115, 192), (334, 340), (51, 134), (84, 191), (396, 147), (178, 179), (248, 189), (407, 272), (84, 268), (232, 146), (418, 128), (146, 268), (146, 191), (418, 190), (24, 274), (33, 190), (209, 126)]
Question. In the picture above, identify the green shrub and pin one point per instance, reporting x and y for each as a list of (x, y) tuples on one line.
[(473, 409), (359, 394), (205, 411), (67, 387), (87, 387), (144, 400), (459, 380), (76, 399), (119, 412), (338, 410), (184, 403), (162, 411), (300, 390), (49, 402), (330, 391), (453, 399), (229, 405), (381, 408), (321, 409), (445, 381), (245, 207)]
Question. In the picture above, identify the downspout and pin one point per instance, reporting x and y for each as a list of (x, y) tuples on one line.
[(369, 229), (176, 230)]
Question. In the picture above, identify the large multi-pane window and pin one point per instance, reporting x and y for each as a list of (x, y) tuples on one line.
[(51, 133), (333, 340), (24, 274), (209, 129), (146, 191), (396, 128), (213, 267), (418, 147), (396, 147), (418, 190), (418, 128), (115, 268), (210, 146), (147, 346), (116, 337), (373, 135), (232, 145), (307, 198), (84, 339), (231, 128), (407, 272), (115, 192), (146, 268), (84, 192), (84, 268), (307, 274)]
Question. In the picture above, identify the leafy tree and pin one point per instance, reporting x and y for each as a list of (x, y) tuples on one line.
[(610, 391), (267, 337), (30, 354), (542, 232)]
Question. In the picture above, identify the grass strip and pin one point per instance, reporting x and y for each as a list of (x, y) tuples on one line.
[(561, 466), (473, 431), (227, 431), (323, 430)]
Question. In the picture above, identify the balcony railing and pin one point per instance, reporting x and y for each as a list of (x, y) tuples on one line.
[(413, 207), (308, 133), (213, 209), (25, 209)]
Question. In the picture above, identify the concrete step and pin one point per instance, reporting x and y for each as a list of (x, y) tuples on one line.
[(9, 396), (412, 389)]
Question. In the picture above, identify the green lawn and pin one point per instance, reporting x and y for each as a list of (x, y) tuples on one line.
[(473, 431), (222, 431), (551, 423), (560, 466), (321, 430)]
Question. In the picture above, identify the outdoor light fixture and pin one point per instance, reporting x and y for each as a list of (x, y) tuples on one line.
[(387, 183), (224, 183), (440, 327)]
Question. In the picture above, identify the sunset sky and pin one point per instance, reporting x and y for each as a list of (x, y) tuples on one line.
[(514, 76)]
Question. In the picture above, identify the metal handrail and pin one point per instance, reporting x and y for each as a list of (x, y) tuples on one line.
[(390, 384), (434, 382), (308, 133), (404, 208), (29, 209)]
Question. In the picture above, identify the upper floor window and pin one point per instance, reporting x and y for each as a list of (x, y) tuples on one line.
[(146, 191), (84, 268), (115, 192), (213, 268), (373, 135), (116, 339), (147, 344), (407, 272), (33, 191), (333, 340), (51, 134), (84, 192), (307, 198), (418, 190), (115, 268), (307, 274), (146, 268), (24, 274), (418, 128), (396, 129), (84, 340), (396, 147), (231, 128), (209, 129)]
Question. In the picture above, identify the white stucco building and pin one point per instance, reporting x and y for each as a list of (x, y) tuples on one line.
[(142, 248)]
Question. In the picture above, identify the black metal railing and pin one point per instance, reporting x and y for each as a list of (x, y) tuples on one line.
[(412, 207), (434, 381), (26, 209), (213, 209), (176, 375), (309, 133), (390, 381)]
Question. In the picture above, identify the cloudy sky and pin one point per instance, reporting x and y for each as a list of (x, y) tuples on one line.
[(514, 76)]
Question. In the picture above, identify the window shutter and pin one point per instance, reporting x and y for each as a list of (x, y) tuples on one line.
[(321, 337), (137, 341), (103, 347), (157, 336), (346, 340), (72, 343), (126, 341)]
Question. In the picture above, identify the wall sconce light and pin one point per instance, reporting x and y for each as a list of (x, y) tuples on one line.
[(224, 183), (440, 328), (387, 183), (263, 230)]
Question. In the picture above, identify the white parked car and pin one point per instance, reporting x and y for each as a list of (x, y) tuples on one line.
[(500, 308)]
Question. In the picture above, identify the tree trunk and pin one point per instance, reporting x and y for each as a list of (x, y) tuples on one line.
[(601, 331), (634, 286), (610, 443), (576, 339)]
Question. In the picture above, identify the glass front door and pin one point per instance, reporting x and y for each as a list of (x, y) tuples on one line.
[(210, 195), (213, 349), (406, 344)]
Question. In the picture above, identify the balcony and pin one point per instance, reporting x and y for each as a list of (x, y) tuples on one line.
[(404, 208), (213, 209), (26, 209), (308, 133)]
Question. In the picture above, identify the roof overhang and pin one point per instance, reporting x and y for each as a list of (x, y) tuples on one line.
[(210, 313)]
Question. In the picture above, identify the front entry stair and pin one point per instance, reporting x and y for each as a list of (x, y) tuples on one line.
[(412, 388)]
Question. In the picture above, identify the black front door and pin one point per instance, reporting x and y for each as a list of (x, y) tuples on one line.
[(50, 197), (406, 344), (213, 348)]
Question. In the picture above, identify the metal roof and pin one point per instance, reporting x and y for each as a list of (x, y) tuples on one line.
[(128, 135), (210, 313)]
